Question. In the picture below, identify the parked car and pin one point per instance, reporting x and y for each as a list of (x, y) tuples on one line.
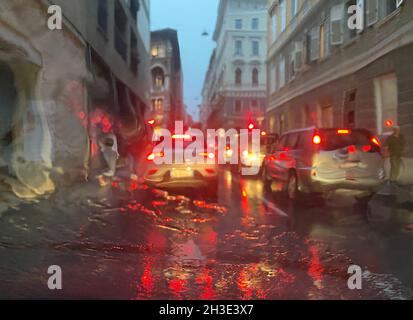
[(318, 160), (190, 174)]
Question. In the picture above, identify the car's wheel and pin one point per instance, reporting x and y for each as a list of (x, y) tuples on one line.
[(292, 186)]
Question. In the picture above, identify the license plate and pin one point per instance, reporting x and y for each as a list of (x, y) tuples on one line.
[(349, 165), (182, 173)]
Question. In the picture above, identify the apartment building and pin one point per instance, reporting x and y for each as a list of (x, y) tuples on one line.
[(322, 72)]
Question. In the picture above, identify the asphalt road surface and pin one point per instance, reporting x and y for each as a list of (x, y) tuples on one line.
[(247, 244)]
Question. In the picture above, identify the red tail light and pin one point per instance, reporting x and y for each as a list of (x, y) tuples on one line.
[(367, 148), (317, 139), (152, 156), (210, 171), (343, 131), (207, 155), (152, 172), (352, 149), (375, 141), (251, 126), (181, 136), (151, 122)]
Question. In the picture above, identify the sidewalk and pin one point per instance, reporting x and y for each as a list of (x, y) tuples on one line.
[(392, 205)]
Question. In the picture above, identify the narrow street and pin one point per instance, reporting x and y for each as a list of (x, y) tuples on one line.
[(155, 245)]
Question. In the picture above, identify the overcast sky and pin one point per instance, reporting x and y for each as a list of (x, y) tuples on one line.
[(190, 18)]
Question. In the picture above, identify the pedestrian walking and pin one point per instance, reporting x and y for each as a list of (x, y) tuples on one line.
[(109, 148)]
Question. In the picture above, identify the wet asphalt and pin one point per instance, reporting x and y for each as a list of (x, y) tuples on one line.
[(247, 243)]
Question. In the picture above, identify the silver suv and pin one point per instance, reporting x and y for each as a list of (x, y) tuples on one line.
[(318, 160)]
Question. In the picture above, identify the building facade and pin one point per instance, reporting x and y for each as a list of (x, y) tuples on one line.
[(321, 72), (234, 92), (167, 78), (66, 87)]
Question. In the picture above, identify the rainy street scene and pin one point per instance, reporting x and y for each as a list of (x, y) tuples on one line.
[(236, 150)]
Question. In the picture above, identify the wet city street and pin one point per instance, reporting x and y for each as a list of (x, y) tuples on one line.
[(247, 244)]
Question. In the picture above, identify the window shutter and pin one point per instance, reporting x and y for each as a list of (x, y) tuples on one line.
[(372, 11), (336, 27), (298, 56), (327, 35), (315, 43)]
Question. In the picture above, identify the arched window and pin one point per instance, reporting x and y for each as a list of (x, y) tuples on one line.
[(255, 77), (238, 77), (158, 78)]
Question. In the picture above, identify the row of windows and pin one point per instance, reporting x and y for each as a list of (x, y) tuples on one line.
[(239, 48), (240, 106), (120, 29), (320, 39), (255, 24), (279, 18), (254, 77)]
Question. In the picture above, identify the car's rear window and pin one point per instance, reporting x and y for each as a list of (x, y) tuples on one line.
[(333, 140)]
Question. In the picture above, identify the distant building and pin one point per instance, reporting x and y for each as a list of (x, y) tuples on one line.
[(234, 92), (320, 72), (167, 78)]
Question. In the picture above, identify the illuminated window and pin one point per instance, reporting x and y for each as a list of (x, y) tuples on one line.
[(154, 51)]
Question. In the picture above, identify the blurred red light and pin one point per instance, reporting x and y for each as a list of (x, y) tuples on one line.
[(317, 139), (389, 123), (151, 122), (367, 148), (343, 131), (352, 149), (251, 126), (375, 141)]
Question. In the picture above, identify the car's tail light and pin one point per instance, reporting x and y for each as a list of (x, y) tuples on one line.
[(152, 172), (343, 131), (375, 141), (351, 149), (209, 155), (181, 136), (152, 156), (367, 148), (210, 171), (317, 139)]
